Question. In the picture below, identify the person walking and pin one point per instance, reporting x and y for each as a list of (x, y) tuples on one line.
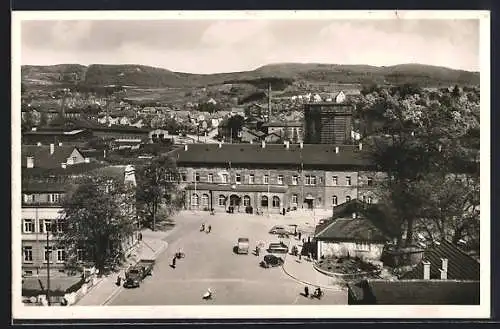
[(300, 235), (306, 291), (209, 229), (173, 262)]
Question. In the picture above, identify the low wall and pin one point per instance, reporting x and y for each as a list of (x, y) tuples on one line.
[(345, 277)]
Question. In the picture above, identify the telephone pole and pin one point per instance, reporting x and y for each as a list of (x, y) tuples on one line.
[(269, 102), (48, 254)]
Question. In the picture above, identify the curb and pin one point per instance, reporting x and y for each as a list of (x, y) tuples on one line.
[(311, 284)]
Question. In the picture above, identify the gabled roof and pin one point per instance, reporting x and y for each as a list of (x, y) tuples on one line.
[(415, 292), (272, 154), (368, 226), (42, 156), (460, 265)]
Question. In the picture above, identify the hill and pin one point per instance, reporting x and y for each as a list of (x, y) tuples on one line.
[(282, 73)]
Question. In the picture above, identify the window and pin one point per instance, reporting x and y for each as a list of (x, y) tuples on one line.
[(53, 198), (295, 180), (264, 201), (46, 226), (222, 200), (60, 226), (280, 179), (251, 179), (204, 200), (266, 179), (369, 200), (61, 255), (364, 198), (47, 254), (28, 254), (335, 180), (238, 179), (307, 180), (80, 255), (183, 177), (369, 181), (194, 199), (313, 180), (295, 199), (73, 159), (334, 201), (28, 273), (276, 202), (348, 180), (210, 178), (363, 246), (347, 198), (197, 177), (246, 201), (224, 178), (29, 226)]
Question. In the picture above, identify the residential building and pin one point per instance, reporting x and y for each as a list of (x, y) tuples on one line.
[(292, 131), (356, 229), (250, 135), (328, 123), (271, 176)]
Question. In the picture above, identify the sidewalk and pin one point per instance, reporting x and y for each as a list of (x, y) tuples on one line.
[(150, 247)]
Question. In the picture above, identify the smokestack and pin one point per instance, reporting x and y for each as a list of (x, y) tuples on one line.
[(301, 145), (337, 149), (30, 162), (185, 147), (360, 146), (263, 144), (427, 270), (52, 147)]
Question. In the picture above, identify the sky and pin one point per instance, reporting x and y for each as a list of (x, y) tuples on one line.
[(212, 46)]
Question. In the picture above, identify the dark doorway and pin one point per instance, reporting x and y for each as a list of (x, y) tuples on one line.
[(309, 203)]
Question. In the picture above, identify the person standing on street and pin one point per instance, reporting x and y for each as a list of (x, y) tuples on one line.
[(173, 261), (300, 235), (209, 228), (306, 291)]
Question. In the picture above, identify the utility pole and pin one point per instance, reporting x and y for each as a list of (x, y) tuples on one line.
[(269, 102), (268, 191)]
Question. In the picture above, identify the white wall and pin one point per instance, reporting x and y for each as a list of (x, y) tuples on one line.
[(341, 249)]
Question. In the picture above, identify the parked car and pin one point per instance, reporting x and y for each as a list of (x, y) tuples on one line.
[(279, 230), (243, 246), (278, 248), (138, 272), (271, 261)]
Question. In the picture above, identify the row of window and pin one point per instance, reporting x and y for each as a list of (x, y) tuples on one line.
[(195, 200), (308, 179), (45, 225), (51, 198), (48, 255)]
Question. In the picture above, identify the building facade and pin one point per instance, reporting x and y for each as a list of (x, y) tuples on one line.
[(274, 177)]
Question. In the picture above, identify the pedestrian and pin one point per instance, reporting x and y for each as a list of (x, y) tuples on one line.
[(209, 228), (257, 250), (309, 239), (300, 235), (173, 261), (306, 291)]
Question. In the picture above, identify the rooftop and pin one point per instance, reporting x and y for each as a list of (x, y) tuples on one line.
[(415, 292), (272, 154), (42, 156)]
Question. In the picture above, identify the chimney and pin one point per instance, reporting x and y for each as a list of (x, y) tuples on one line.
[(185, 147), (104, 153), (220, 144), (354, 215), (87, 160), (360, 146), (443, 274), (33, 129), (52, 147), (444, 264), (263, 144), (337, 149), (301, 145), (63, 165), (60, 144), (39, 144), (30, 162), (427, 270)]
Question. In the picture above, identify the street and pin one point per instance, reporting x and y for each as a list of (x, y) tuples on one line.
[(211, 263)]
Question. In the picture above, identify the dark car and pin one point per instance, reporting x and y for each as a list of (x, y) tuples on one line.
[(277, 248), (131, 283), (271, 261), (280, 230)]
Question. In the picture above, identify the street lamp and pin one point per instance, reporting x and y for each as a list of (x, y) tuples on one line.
[(48, 253)]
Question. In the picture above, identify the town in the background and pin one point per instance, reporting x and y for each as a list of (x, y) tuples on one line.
[(309, 184)]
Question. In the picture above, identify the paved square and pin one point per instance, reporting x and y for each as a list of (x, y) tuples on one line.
[(211, 263)]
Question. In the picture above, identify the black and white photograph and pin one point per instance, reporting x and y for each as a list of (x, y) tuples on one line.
[(281, 164)]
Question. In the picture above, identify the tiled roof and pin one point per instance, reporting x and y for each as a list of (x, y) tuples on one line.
[(117, 172), (460, 265), (415, 292), (238, 187), (272, 154), (40, 187), (369, 225), (42, 156), (76, 169)]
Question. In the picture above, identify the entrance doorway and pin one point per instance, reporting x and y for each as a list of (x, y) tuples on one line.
[(309, 203), (234, 203)]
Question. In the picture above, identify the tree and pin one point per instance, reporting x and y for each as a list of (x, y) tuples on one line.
[(235, 124), (28, 121), (157, 189), (98, 215), (44, 120)]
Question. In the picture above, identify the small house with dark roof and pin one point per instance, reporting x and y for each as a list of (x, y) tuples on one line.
[(50, 156), (414, 292), (443, 260), (355, 230), (251, 135)]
